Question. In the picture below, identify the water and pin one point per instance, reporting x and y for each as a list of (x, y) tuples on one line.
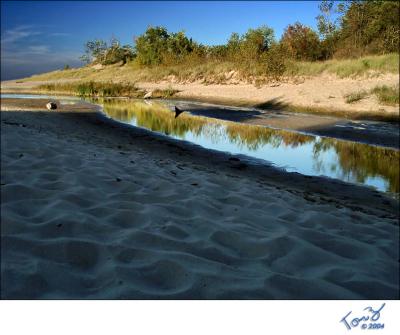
[(352, 162)]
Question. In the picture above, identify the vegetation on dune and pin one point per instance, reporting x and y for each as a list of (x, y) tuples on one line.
[(356, 96), (388, 63), (98, 51), (387, 95), (103, 89), (362, 39), (94, 89)]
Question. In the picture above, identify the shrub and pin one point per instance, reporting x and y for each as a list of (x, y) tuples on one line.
[(117, 54), (275, 62)]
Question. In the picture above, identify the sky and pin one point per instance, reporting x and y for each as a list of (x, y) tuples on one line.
[(41, 36)]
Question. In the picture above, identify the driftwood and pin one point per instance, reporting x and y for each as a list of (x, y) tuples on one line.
[(51, 105)]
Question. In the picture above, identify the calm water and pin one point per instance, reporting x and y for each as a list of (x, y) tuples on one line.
[(307, 154), (310, 155)]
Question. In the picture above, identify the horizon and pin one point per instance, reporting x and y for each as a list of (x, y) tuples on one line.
[(35, 39)]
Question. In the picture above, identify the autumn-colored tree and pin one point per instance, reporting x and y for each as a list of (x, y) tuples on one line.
[(301, 42)]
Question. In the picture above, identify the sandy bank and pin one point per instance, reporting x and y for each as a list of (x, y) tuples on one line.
[(323, 94), (324, 91), (93, 209)]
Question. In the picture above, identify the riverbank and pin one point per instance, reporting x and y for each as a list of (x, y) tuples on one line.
[(342, 89), (95, 209), (368, 132)]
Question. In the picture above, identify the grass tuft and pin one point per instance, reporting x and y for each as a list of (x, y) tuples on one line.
[(387, 95), (355, 96)]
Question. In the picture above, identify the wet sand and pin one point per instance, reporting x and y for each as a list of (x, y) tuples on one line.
[(371, 132), (95, 209)]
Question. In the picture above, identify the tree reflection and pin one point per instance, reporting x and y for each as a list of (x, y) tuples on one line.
[(353, 161)]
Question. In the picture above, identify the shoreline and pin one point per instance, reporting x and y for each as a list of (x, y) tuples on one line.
[(95, 209), (372, 132), (322, 95)]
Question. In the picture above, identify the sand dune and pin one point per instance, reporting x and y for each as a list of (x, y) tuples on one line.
[(93, 210)]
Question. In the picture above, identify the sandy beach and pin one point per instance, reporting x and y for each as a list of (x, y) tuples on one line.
[(93, 209)]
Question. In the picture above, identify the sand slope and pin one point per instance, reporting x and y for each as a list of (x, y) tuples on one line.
[(88, 211), (324, 91)]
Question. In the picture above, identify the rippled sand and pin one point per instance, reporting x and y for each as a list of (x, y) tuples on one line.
[(93, 211)]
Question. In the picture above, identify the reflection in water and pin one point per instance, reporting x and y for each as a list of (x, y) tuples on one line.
[(310, 155)]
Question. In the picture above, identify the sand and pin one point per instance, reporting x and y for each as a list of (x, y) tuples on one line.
[(325, 92), (91, 209)]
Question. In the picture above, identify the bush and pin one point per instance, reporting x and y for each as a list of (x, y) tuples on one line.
[(275, 62), (117, 54), (156, 46)]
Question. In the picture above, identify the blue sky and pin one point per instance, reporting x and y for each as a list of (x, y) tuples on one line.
[(38, 36)]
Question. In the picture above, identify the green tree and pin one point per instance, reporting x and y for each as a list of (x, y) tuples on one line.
[(157, 46), (328, 27), (178, 47), (369, 27), (117, 53), (257, 41), (250, 46), (151, 45)]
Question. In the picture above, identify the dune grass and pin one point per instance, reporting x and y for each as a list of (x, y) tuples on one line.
[(102, 89), (369, 65), (356, 96), (387, 95), (94, 89), (217, 72)]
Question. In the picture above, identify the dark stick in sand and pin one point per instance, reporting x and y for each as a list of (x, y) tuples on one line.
[(178, 112)]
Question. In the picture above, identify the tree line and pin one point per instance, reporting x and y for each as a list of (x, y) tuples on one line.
[(346, 29)]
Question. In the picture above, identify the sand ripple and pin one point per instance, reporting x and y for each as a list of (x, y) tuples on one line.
[(79, 225)]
